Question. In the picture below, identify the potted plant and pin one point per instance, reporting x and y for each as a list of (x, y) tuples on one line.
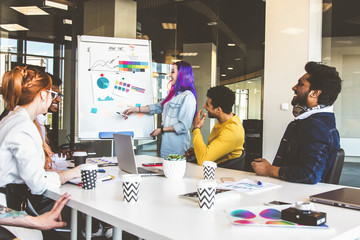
[(174, 166)]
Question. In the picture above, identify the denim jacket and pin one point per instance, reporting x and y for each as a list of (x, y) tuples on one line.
[(179, 113), (308, 148)]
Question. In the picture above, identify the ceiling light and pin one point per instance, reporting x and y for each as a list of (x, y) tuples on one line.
[(67, 21), (237, 59), (13, 27), (223, 75), (189, 54), (169, 25), (195, 66), (175, 60), (56, 5), (212, 23), (68, 38), (230, 68), (30, 10), (231, 44)]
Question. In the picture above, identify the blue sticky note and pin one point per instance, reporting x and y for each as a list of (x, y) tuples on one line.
[(94, 110), (138, 105)]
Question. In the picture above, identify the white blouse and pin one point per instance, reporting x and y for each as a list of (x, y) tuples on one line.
[(22, 157)]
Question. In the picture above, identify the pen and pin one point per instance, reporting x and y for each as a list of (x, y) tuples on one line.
[(101, 170), (258, 182), (124, 115), (107, 178)]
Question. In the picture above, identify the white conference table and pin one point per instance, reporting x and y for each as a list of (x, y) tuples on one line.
[(161, 214)]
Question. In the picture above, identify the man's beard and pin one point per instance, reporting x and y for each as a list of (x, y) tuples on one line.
[(300, 99)]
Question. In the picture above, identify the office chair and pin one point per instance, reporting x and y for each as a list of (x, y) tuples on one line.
[(333, 176), (236, 163)]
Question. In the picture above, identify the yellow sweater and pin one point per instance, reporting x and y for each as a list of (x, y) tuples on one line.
[(226, 141)]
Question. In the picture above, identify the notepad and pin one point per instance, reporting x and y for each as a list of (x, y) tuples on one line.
[(248, 186)]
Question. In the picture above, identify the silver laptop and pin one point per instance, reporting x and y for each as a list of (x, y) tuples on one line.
[(126, 158), (343, 197)]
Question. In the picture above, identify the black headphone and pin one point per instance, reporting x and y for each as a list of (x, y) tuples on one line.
[(300, 109)]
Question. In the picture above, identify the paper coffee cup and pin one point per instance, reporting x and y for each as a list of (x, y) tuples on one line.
[(88, 176), (206, 192), (131, 185), (209, 169), (79, 158)]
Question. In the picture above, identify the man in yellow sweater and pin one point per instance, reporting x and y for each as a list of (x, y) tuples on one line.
[(226, 140)]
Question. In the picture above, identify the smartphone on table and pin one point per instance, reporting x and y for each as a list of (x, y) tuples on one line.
[(152, 164)]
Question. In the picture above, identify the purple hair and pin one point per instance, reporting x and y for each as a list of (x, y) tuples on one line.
[(184, 81)]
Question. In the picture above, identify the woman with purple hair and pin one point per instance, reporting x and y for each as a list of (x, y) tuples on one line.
[(178, 110)]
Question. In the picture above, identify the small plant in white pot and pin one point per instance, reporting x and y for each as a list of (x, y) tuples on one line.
[(174, 166)]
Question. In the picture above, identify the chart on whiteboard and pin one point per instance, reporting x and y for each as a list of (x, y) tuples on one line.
[(114, 74), (118, 72)]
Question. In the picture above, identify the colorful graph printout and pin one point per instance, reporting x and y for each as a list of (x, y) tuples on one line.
[(263, 216), (132, 66), (124, 88), (103, 82)]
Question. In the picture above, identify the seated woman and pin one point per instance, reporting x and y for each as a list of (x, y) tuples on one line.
[(23, 153)]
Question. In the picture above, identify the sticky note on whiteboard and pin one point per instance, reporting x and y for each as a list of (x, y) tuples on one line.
[(93, 110)]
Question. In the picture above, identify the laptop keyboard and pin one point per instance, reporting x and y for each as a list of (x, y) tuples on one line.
[(142, 170)]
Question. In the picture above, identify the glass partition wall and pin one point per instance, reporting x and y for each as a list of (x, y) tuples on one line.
[(341, 49)]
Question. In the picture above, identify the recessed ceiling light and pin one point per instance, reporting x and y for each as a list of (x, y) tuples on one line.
[(223, 75), (212, 23), (56, 5), (195, 66), (230, 68), (189, 54), (30, 10), (67, 21), (68, 38), (231, 44), (13, 27), (169, 25), (237, 59)]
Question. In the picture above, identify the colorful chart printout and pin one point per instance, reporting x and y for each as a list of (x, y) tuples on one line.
[(132, 66)]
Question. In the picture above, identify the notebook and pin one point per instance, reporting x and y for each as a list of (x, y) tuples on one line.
[(126, 157), (343, 197)]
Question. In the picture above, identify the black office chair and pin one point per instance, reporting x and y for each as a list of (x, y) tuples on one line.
[(333, 176), (236, 163)]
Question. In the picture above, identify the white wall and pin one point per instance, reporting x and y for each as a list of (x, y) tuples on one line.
[(291, 26)]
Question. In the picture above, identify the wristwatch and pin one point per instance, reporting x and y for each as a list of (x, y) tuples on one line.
[(162, 130)]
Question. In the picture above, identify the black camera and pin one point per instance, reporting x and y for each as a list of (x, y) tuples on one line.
[(303, 215)]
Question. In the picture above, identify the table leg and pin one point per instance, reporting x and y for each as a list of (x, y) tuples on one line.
[(88, 227), (117, 233), (74, 221)]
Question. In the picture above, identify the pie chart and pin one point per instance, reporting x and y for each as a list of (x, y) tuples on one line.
[(103, 82)]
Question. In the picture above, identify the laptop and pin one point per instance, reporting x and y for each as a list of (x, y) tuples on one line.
[(343, 197), (126, 158)]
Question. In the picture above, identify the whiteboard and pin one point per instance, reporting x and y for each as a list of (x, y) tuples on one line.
[(113, 75)]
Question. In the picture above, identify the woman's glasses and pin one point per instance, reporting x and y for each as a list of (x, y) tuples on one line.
[(54, 94)]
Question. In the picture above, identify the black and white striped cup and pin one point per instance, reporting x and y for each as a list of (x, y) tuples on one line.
[(206, 192), (88, 176), (131, 185), (209, 170)]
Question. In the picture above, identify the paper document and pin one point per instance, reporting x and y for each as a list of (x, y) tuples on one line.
[(248, 186)]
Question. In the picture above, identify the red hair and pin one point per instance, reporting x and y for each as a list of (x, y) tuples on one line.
[(19, 87)]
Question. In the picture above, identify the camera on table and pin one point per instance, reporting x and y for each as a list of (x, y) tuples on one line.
[(303, 215)]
